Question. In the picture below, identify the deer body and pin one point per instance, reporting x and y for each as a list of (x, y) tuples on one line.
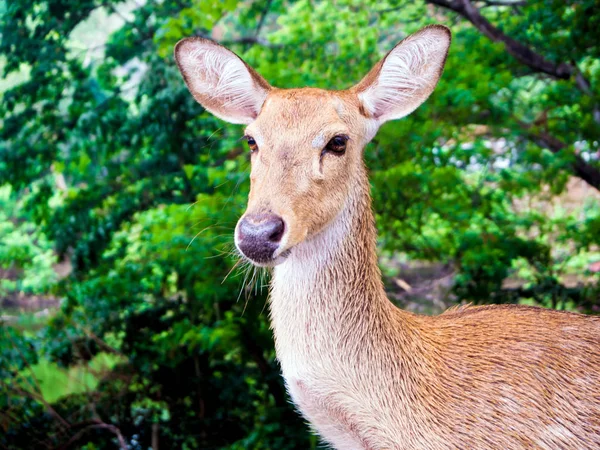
[(365, 374)]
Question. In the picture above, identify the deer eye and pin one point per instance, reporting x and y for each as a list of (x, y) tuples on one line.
[(337, 144), (251, 144)]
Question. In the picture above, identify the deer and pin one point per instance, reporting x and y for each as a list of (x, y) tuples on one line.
[(364, 373)]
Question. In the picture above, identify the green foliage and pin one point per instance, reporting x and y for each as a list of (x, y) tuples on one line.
[(107, 162), (24, 251)]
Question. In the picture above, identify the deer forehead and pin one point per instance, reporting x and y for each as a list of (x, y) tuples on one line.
[(301, 118)]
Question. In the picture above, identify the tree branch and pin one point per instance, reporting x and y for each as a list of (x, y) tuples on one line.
[(523, 53), (444, 4), (582, 169), (504, 2), (263, 16), (101, 425), (247, 40)]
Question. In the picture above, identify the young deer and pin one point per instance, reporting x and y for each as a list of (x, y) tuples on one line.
[(365, 374)]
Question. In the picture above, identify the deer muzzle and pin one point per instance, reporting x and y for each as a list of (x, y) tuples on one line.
[(258, 236)]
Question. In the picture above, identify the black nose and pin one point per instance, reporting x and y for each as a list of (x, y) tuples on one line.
[(259, 235)]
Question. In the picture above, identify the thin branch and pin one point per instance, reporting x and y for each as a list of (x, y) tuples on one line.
[(444, 4), (11, 417), (113, 429), (38, 395), (103, 344), (263, 16), (114, 9), (247, 40), (581, 168), (504, 2)]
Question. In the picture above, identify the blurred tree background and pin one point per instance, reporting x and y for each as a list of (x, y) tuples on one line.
[(124, 321)]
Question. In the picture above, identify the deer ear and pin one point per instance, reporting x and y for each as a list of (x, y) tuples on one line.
[(407, 75), (220, 80)]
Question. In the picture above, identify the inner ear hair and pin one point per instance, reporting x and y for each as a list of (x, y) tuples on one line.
[(220, 80), (406, 76)]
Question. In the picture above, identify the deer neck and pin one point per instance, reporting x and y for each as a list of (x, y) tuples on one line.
[(328, 294)]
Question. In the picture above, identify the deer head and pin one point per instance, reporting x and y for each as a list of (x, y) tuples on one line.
[(306, 144)]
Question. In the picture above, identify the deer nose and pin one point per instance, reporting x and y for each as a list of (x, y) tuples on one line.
[(258, 236)]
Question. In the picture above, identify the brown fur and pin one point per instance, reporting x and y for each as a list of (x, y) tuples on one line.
[(364, 373), (491, 377)]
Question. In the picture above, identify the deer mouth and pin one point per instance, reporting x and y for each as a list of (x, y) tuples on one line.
[(272, 261), (283, 256)]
